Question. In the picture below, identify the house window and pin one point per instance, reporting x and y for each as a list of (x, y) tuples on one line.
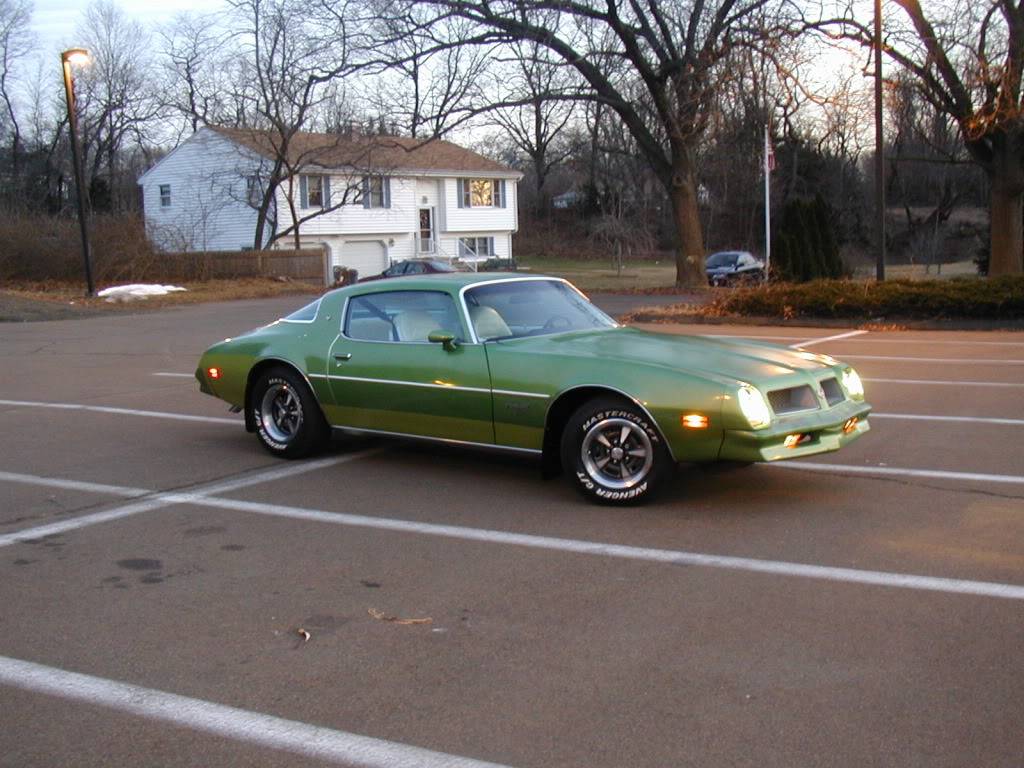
[(253, 191), (482, 247), (376, 192), (165, 195), (312, 191), (481, 193)]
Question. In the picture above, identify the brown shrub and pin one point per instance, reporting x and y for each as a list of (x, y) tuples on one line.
[(43, 248)]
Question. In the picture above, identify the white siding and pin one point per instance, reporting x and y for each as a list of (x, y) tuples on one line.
[(353, 218), (208, 209), (502, 243), (474, 219)]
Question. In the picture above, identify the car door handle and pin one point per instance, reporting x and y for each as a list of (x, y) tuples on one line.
[(343, 357)]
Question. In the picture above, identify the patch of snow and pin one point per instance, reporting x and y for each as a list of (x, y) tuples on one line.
[(136, 291)]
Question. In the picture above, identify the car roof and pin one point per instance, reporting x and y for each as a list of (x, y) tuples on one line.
[(442, 281)]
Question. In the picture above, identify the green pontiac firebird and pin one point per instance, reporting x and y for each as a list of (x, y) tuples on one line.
[(528, 364)]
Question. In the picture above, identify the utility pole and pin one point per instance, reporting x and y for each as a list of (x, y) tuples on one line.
[(879, 149)]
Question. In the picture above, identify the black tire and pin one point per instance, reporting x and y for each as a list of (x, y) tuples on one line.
[(613, 453), (288, 419)]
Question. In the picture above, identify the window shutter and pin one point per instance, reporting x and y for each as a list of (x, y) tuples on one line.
[(303, 192), (459, 186), (327, 191), (501, 194), (366, 191), (386, 191), (490, 247)]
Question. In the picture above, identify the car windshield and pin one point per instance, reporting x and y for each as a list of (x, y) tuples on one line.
[(722, 259), (517, 308), (440, 266)]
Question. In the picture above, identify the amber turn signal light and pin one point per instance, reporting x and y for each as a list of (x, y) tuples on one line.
[(694, 420), (850, 425)]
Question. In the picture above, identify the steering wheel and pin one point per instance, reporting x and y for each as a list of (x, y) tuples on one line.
[(558, 323)]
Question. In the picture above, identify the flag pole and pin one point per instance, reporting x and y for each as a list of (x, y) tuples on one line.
[(767, 206)]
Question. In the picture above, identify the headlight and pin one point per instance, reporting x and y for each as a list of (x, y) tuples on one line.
[(754, 406), (853, 385)]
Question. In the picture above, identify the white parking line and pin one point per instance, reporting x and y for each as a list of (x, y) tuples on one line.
[(937, 474), (822, 340), (925, 382), (168, 374), (200, 497), (240, 725), (74, 485), (955, 419), (666, 556), (876, 339), (84, 521), (158, 499), (952, 360), (120, 411)]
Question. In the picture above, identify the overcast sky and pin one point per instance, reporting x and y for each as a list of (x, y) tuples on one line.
[(55, 21)]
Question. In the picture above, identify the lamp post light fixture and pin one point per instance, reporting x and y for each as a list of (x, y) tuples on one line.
[(69, 57)]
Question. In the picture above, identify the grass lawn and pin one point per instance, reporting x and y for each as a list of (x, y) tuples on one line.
[(55, 301), (590, 275)]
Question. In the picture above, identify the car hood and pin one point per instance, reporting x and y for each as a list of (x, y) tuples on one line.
[(725, 360)]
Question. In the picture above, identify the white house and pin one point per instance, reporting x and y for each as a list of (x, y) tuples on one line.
[(370, 201)]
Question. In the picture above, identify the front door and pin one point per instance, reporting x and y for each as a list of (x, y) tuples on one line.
[(426, 236), (386, 376)]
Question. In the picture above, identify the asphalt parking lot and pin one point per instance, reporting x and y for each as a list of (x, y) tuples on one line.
[(156, 568)]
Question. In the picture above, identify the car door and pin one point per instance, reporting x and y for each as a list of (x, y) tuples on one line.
[(386, 376)]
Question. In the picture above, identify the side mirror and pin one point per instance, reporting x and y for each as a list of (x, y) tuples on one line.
[(445, 339)]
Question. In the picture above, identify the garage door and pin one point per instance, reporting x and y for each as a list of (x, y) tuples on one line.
[(366, 256)]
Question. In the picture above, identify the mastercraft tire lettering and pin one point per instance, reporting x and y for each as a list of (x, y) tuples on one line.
[(612, 452), (288, 420)]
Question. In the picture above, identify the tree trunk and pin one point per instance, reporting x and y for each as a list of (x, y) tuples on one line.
[(1007, 233), (682, 190)]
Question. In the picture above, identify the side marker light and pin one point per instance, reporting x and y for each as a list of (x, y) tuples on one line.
[(213, 373), (694, 420)]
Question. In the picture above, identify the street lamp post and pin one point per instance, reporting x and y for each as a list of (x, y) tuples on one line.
[(69, 57), (879, 148)]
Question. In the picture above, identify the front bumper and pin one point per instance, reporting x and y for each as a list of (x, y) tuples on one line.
[(827, 431)]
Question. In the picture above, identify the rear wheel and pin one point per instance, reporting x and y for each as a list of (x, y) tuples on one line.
[(613, 452), (288, 420)]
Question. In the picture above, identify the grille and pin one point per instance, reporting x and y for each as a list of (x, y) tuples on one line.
[(793, 399), (833, 392)]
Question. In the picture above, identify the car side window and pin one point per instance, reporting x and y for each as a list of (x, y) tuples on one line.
[(414, 268), (401, 316)]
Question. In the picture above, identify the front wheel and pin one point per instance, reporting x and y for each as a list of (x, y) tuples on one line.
[(613, 453), (288, 420)]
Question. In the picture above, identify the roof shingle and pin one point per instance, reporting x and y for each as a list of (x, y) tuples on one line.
[(379, 153)]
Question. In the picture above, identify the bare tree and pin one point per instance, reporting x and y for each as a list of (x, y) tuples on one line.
[(117, 101), (290, 52), (967, 61), (422, 85), (15, 45), (538, 125), (197, 71), (657, 66)]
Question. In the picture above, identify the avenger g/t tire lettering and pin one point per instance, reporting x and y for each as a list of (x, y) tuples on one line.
[(288, 420), (613, 453)]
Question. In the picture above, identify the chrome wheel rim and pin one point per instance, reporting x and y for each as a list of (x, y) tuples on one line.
[(617, 453), (281, 413)]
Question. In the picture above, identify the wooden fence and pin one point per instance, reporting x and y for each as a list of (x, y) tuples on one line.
[(308, 265)]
